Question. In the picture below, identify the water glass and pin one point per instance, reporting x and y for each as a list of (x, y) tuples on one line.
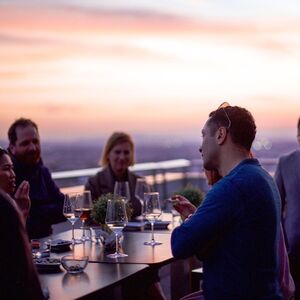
[(116, 219), (121, 189), (152, 211)]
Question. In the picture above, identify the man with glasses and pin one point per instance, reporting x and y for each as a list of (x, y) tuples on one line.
[(287, 177), (235, 231), (46, 199)]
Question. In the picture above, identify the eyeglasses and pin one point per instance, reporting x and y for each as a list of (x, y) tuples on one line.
[(222, 106)]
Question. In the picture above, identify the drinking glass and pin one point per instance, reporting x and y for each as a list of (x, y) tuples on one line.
[(86, 207), (72, 212), (121, 189), (141, 187), (152, 211), (116, 219)]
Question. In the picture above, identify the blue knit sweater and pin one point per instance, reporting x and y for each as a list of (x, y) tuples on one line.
[(235, 233)]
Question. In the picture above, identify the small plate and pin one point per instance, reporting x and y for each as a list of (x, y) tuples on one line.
[(158, 225), (60, 245), (134, 226), (47, 264)]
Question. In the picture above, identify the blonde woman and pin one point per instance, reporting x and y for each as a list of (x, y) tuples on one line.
[(117, 156)]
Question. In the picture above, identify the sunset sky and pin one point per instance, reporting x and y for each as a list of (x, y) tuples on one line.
[(82, 69)]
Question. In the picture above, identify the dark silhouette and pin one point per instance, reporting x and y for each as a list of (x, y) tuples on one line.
[(18, 277)]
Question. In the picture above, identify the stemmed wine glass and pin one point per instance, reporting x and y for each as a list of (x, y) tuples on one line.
[(141, 187), (121, 189), (86, 207), (72, 211), (152, 211), (116, 219)]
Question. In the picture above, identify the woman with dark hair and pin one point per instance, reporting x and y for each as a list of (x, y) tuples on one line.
[(8, 183), (18, 277)]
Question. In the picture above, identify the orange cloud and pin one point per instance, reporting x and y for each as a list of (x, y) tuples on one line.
[(86, 71)]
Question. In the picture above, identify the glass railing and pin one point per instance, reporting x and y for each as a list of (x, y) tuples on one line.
[(167, 177)]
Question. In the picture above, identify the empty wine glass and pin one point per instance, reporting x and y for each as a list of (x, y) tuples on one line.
[(121, 189), (72, 211), (152, 211), (86, 207), (116, 219), (141, 187)]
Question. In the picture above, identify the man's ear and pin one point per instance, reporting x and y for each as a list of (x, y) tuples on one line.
[(221, 135), (12, 148)]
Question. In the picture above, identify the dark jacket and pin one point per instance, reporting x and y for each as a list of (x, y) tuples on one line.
[(46, 199), (103, 182), (18, 277)]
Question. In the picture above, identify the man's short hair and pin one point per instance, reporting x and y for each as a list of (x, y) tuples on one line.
[(21, 122), (239, 123)]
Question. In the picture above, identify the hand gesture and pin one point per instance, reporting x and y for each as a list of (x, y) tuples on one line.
[(22, 198), (183, 206)]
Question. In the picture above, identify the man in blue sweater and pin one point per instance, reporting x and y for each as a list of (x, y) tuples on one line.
[(236, 229), (46, 199)]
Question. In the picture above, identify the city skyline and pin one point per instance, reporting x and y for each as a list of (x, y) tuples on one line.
[(82, 69)]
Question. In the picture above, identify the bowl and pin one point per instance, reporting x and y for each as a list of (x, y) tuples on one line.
[(74, 264)]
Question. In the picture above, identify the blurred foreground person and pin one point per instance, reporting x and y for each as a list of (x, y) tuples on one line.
[(117, 156), (287, 177), (46, 199), (18, 277), (235, 231)]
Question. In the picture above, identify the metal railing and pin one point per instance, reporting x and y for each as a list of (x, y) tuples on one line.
[(150, 166), (166, 176), (158, 174)]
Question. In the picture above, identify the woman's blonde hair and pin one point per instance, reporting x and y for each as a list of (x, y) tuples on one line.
[(115, 139)]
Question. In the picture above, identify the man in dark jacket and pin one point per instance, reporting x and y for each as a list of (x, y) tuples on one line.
[(46, 199), (287, 177)]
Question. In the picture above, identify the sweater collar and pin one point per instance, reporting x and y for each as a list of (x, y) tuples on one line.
[(247, 161), (24, 168)]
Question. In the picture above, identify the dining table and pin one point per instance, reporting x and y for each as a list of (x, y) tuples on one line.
[(141, 259), (98, 281), (132, 244)]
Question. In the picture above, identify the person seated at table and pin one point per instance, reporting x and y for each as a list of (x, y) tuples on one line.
[(46, 199), (287, 285), (18, 276), (117, 156), (8, 183), (236, 229)]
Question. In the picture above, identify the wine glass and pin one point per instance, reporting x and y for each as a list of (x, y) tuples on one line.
[(116, 219), (152, 211), (121, 189), (72, 211), (141, 187), (86, 207)]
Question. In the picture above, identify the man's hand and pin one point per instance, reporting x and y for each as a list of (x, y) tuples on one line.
[(22, 198), (183, 206)]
